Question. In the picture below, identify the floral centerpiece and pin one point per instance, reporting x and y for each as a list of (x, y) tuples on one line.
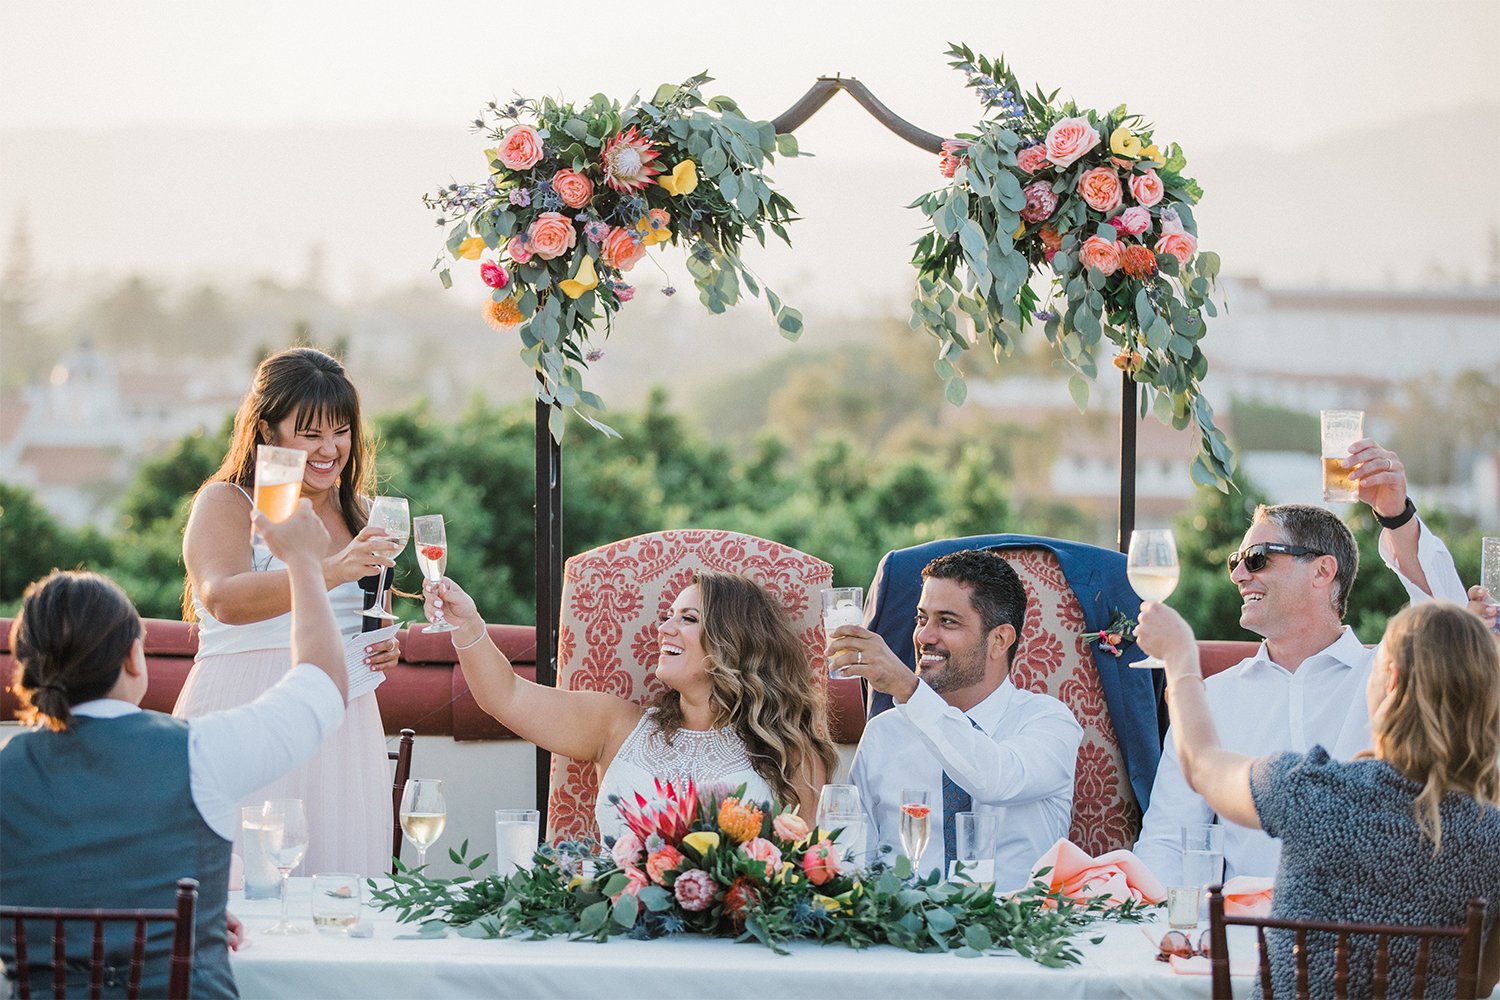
[(712, 862), (1095, 199), (577, 194)]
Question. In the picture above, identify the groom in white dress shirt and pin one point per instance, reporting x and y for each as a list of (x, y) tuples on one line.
[(960, 729), (1305, 685)]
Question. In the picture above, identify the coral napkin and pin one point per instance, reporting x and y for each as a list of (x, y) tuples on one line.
[(1117, 876), (1247, 896)]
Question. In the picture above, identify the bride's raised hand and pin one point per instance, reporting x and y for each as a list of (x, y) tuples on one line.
[(368, 552)]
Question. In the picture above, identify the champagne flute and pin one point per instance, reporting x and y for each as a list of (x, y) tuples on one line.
[(431, 538), (393, 515), (1151, 566), (916, 823), (283, 838), (423, 814)]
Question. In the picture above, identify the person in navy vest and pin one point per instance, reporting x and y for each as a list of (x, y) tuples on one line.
[(960, 728), (107, 805)]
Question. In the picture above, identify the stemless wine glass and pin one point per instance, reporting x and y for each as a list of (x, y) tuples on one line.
[(394, 516), (423, 814), (431, 537), (283, 839), (1151, 566), (916, 823), (839, 809)]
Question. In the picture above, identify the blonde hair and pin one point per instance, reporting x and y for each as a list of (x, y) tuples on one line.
[(762, 684), (1440, 726)]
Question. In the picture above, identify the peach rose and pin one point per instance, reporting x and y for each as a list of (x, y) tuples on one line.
[(519, 249), (1134, 221), (1069, 139), (622, 249), (1140, 263), (1032, 158), (551, 235), (1040, 202), (1100, 254), (820, 862), (762, 850), (658, 863), (1101, 189), (1179, 245), (521, 148), (1147, 188), (626, 849), (790, 827), (573, 188), (1051, 238)]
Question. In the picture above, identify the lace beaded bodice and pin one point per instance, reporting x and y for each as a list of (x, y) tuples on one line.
[(709, 757)]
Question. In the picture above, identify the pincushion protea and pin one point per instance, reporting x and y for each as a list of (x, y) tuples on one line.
[(627, 162)]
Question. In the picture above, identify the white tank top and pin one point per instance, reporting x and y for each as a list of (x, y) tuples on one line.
[(216, 638)]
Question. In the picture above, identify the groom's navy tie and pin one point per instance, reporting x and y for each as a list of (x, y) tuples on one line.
[(955, 801)]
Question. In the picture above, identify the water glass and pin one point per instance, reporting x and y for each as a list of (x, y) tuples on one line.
[(516, 835), (336, 899), (1202, 856), (1182, 906), (974, 845), (1489, 572), (841, 606), (839, 809), (1340, 429)]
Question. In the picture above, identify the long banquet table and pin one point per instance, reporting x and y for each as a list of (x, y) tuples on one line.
[(397, 963)]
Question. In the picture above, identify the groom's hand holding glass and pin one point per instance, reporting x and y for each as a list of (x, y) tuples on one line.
[(855, 651)]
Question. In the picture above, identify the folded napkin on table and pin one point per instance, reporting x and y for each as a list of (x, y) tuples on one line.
[(1117, 876), (1247, 896)]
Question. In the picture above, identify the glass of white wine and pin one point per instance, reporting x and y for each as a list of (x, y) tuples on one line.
[(1151, 566), (393, 515), (283, 840), (916, 823), (431, 537), (424, 813)]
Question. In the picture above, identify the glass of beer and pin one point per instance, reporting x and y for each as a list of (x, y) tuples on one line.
[(841, 606), (278, 480), (1489, 572), (1341, 428)]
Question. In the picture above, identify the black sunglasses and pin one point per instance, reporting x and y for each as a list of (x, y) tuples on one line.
[(1256, 556)]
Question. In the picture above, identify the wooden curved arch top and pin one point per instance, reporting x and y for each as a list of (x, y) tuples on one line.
[(822, 92)]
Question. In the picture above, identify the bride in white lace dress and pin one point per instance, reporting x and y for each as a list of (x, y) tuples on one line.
[(739, 707)]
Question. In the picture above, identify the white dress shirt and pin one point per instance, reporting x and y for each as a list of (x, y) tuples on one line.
[(1259, 707), (234, 752), (1017, 764)]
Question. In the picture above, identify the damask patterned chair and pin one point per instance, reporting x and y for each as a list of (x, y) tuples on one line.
[(611, 600), (1071, 589)]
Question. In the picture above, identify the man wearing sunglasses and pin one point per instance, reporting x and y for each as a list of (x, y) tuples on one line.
[(1305, 684)]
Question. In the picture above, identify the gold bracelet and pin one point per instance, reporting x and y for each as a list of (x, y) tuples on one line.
[(483, 634)]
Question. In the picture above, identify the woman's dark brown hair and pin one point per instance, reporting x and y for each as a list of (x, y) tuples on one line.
[(313, 387), (70, 639)]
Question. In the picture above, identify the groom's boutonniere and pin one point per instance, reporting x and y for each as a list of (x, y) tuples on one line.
[(1116, 637)]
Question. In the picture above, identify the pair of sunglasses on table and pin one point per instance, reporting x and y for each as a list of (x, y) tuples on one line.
[(1176, 944), (1256, 556)]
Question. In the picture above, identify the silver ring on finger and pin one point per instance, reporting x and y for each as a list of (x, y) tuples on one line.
[(859, 656)]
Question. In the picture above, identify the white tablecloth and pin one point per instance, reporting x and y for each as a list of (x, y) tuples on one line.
[(393, 963)]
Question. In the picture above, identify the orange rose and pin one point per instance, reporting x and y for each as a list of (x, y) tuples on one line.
[(573, 188), (1100, 254), (622, 249), (1051, 238), (1069, 139), (1100, 188), (1147, 188), (551, 235), (521, 149)]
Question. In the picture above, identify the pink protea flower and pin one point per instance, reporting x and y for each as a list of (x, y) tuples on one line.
[(669, 814), (694, 890), (627, 161), (1040, 202), (761, 849), (595, 230)]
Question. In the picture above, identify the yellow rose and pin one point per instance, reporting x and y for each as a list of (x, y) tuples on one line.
[(585, 279), (470, 249), (682, 180), (1123, 142), (1153, 155), (702, 841)]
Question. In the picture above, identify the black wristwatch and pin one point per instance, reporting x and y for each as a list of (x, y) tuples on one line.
[(1407, 513)]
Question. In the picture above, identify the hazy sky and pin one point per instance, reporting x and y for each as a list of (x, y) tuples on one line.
[(1300, 67), (1235, 83)]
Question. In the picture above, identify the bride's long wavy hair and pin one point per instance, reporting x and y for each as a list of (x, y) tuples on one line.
[(762, 684)]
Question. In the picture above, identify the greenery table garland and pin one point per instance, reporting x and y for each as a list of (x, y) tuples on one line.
[(705, 863)]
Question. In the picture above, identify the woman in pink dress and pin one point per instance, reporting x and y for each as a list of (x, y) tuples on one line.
[(238, 594)]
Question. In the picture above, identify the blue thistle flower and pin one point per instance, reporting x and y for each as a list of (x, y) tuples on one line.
[(671, 923)]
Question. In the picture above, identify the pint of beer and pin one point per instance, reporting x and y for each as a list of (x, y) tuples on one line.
[(1341, 428)]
